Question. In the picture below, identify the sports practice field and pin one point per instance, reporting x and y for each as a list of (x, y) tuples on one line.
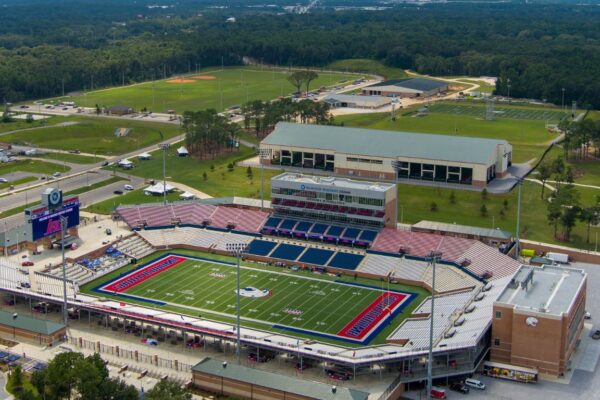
[(302, 303), (513, 112), (218, 89)]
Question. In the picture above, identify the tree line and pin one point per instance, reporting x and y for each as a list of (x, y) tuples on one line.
[(208, 134), (538, 50), (72, 375)]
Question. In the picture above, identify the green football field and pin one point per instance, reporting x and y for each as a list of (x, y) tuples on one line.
[(230, 86), (297, 303)]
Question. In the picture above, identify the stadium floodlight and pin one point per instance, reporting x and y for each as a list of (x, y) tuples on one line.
[(236, 250), (63, 226), (520, 184), (263, 154), (165, 148), (434, 257)]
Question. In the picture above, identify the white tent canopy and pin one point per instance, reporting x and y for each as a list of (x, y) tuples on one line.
[(182, 151), (187, 196), (125, 163), (158, 188), (145, 156)]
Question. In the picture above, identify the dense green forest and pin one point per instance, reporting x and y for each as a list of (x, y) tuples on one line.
[(48, 48)]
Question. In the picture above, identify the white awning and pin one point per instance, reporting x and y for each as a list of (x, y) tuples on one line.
[(158, 189), (182, 151)]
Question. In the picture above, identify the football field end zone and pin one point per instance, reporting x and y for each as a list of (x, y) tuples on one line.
[(364, 339)]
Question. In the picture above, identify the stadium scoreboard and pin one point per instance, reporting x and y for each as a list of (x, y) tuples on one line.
[(44, 220)]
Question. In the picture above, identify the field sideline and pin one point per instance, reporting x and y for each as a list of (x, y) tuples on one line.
[(335, 310)]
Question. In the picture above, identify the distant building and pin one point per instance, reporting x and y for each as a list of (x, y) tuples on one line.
[(23, 327), (390, 155), (538, 318), (411, 87), (119, 110), (354, 101), (493, 237)]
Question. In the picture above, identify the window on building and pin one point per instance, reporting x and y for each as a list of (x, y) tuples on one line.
[(498, 314), (496, 341)]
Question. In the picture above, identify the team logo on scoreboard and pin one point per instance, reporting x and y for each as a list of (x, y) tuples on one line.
[(531, 321)]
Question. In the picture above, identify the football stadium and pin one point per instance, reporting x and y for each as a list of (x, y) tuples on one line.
[(324, 279)]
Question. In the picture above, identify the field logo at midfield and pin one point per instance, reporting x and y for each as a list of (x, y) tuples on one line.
[(253, 292), (143, 274)]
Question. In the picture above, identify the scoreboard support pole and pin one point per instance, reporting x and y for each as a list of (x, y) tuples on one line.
[(63, 227)]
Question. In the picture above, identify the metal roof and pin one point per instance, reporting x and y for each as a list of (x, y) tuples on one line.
[(463, 229), (418, 84), (332, 181), (382, 143), (276, 381), (29, 324), (551, 290)]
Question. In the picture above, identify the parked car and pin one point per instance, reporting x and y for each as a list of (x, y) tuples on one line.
[(56, 174), (104, 163), (118, 192), (460, 387), (587, 315), (474, 383), (3, 180), (596, 334), (127, 187), (438, 393), (108, 231), (27, 264)]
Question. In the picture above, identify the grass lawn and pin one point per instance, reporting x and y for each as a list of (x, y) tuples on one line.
[(528, 137), (484, 87), (415, 205), (35, 166), (132, 197), (367, 66), (314, 303), (70, 158), (231, 86), (22, 124), (220, 181), (95, 135), (19, 181)]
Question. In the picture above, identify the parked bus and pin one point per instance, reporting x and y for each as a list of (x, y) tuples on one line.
[(510, 372)]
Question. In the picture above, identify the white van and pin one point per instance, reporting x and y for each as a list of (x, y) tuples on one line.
[(475, 384)]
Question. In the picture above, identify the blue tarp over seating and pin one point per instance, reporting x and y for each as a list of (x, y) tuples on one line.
[(272, 222), (367, 236), (346, 261), (260, 247), (287, 224), (287, 251), (316, 256), (351, 233), (303, 226), (319, 229)]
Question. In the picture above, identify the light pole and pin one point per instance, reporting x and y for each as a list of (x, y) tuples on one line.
[(263, 154), (434, 257), (236, 249), (562, 106), (517, 242), (63, 226), (508, 86), (164, 147)]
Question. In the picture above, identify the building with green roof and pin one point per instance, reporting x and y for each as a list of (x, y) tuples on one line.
[(18, 326), (388, 155), (252, 383)]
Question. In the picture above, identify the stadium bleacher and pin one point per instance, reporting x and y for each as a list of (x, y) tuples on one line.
[(349, 261), (316, 256), (287, 251), (260, 247)]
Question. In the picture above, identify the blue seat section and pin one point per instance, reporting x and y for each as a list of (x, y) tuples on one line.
[(287, 251), (316, 256), (351, 233), (367, 236), (303, 226), (319, 229), (272, 222), (287, 224), (334, 231), (260, 247), (345, 261)]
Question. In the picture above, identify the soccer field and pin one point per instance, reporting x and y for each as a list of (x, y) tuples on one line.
[(218, 89), (512, 112), (293, 302)]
